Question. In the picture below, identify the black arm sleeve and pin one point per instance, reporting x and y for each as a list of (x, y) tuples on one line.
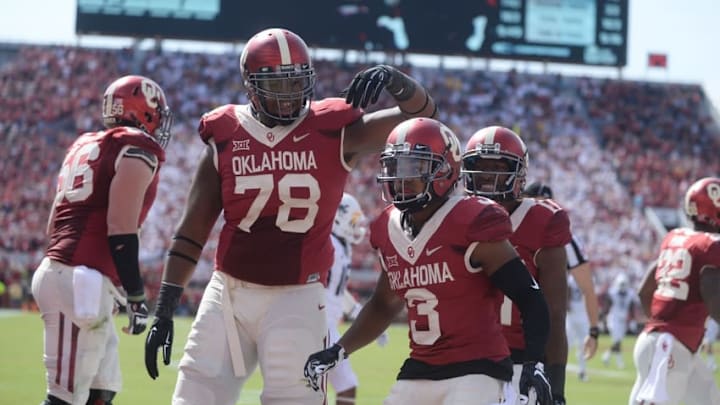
[(168, 300), (124, 250), (514, 280)]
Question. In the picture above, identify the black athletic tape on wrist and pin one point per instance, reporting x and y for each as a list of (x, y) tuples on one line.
[(402, 87), (124, 251), (427, 101), (182, 256), (188, 240), (594, 332), (168, 300)]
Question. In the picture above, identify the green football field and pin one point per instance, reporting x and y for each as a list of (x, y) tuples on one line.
[(22, 373)]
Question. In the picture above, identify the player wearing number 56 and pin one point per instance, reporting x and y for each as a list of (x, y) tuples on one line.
[(448, 261), (106, 187), (276, 168), (679, 291)]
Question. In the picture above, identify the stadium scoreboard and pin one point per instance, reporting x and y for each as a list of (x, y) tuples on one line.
[(592, 32)]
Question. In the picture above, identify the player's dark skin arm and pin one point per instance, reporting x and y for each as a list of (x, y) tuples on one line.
[(552, 277), (710, 290), (648, 285), (377, 314), (201, 211), (369, 133)]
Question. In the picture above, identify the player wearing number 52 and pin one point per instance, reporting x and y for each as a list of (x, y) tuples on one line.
[(106, 187), (679, 291), (495, 165), (448, 261), (276, 169)]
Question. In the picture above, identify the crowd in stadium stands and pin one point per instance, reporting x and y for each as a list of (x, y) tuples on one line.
[(607, 147)]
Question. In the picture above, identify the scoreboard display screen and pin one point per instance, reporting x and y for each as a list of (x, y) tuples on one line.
[(592, 32)]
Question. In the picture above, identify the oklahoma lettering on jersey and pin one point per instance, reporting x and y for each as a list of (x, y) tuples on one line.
[(451, 306), (536, 224), (79, 232), (677, 306), (280, 189)]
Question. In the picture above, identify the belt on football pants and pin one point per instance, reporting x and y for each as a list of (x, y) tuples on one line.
[(236, 355)]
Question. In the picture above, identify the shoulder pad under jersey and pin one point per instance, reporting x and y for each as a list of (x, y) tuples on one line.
[(219, 122), (333, 113), (135, 137)]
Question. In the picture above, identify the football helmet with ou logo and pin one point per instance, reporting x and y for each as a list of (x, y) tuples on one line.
[(421, 162), (350, 222), (278, 74), (495, 164), (702, 202), (139, 102)]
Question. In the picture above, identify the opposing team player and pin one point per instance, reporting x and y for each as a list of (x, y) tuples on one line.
[(106, 186), (622, 299), (349, 228), (678, 292), (583, 310), (447, 260), (495, 165), (276, 169)]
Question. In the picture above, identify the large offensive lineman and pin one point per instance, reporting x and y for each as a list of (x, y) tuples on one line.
[(495, 166), (447, 260), (106, 186), (678, 292), (583, 307), (276, 168)]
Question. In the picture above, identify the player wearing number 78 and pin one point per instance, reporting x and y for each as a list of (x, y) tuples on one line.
[(276, 169), (677, 294), (106, 187), (447, 260)]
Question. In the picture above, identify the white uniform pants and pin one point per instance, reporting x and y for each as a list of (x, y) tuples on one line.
[(472, 389), (277, 327)]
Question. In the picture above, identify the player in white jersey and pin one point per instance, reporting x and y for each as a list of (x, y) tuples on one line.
[(711, 334), (622, 299), (349, 229)]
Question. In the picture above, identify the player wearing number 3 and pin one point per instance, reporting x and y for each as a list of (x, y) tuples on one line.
[(106, 187), (447, 260), (495, 165), (276, 169), (677, 294)]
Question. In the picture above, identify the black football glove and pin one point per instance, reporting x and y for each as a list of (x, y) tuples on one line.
[(321, 362), (533, 376), (162, 330), (138, 316), (160, 335), (367, 85)]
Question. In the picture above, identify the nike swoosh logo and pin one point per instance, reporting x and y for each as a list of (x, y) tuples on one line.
[(429, 252), (321, 307), (298, 138), (534, 285)]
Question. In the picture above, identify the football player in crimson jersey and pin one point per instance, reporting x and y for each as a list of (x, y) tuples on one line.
[(106, 186), (276, 168), (495, 166), (677, 294), (583, 307), (446, 260)]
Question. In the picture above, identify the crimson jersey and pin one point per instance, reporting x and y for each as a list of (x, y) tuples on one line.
[(536, 224), (280, 187), (451, 306), (677, 306), (78, 234)]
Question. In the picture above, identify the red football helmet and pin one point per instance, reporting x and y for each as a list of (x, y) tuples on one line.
[(419, 149), (139, 102), (278, 74), (702, 201), (495, 164)]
